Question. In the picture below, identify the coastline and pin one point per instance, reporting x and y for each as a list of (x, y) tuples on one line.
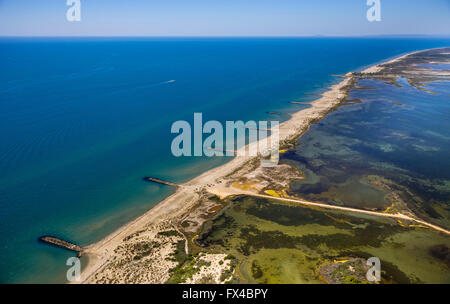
[(170, 209)]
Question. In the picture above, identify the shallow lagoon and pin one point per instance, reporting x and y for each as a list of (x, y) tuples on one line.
[(397, 135)]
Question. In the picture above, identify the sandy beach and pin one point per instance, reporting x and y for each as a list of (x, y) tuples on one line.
[(168, 212)]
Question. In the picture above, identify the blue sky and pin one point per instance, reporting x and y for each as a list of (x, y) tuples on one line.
[(223, 18)]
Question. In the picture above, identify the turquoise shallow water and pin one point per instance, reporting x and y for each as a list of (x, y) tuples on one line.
[(83, 120)]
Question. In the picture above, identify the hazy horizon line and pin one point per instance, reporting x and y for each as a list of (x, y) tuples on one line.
[(226, 36)]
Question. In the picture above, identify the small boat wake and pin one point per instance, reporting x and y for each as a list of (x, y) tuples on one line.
[(158, 83), (165, 82)]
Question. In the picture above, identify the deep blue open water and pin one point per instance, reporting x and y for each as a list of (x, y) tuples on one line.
[(83, 120)]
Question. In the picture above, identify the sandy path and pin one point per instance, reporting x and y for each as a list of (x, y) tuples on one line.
[(225, 191)]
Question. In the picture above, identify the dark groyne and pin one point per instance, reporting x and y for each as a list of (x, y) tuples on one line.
[(337, 75), (61, 243), (279, 113), (159, 181)]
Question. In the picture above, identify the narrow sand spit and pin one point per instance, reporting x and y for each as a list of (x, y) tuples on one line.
[(173, 207)]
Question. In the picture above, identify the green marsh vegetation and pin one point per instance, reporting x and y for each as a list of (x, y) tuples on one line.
[(278, 243)]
